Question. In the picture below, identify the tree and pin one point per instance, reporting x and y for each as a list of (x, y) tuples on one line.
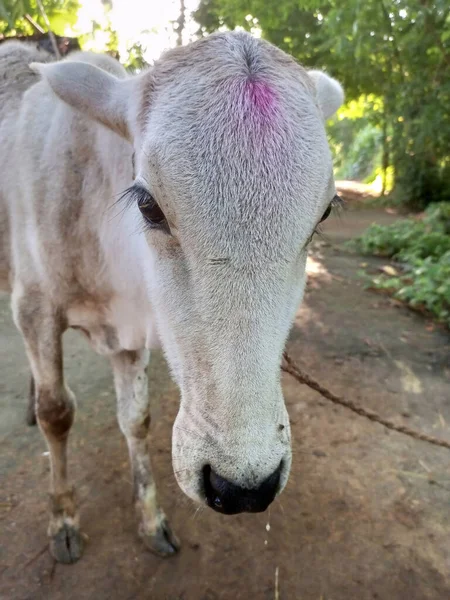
[(19, 16), (180, 23), (398, 51)]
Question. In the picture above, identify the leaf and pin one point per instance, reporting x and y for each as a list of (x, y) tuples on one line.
[(61, 21), (389, 270), (5, 15)]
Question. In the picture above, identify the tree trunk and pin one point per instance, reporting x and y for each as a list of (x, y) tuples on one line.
[(385, 159), (181, 21)]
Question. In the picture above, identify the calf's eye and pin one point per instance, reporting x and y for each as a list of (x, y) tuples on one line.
[(151, 211), (336, 202), (326, 214), (149, 208)]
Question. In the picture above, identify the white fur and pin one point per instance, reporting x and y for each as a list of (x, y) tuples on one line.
[(330, 94), (242, 192)]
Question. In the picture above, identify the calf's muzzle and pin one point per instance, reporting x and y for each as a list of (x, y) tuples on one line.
[(225, 497)]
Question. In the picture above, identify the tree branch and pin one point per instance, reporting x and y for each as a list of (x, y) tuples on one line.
[(33, 23), (50, 32), (391, 34)]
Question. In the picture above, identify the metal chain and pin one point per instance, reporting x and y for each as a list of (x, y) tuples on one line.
[(289, 366)]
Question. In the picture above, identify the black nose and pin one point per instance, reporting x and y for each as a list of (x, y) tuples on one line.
[(227, 498)]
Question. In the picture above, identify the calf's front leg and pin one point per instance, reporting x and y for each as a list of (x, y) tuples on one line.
[(42, 326), (130, 378)]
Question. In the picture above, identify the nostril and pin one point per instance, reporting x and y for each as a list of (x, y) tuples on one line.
[(206, 472), (207, 487), (211, 486), (228, 498)]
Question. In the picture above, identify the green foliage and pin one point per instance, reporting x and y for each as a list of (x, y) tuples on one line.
[(405, 241), (423, 246), (425, 287), (356, 139), (430, 287), (61, 14), (135, 60), (362, 155), (437, 217), (399, 51)]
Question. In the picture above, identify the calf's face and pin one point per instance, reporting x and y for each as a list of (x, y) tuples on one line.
[(232, 175)]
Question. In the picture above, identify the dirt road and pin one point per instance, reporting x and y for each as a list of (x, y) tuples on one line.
[(365, 514)]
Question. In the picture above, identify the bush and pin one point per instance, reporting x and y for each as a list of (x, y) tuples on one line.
[(423, 249), (356, 145)]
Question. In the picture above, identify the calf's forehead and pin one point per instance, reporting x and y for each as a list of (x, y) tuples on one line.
[(238, 155)]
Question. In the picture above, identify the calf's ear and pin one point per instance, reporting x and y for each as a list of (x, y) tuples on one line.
[(94, 92), (330, 94)]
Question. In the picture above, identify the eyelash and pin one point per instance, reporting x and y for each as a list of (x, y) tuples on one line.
[(336, 205), (144, 200), (140, 196)]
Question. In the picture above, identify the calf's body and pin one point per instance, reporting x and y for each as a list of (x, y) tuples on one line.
[(72, 260), (222, 146)]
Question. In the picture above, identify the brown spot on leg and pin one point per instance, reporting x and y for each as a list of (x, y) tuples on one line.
[(31, 408), (63, 504), (146, 422), (55, 414)]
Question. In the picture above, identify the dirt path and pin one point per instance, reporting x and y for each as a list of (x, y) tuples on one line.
[(364, 516)]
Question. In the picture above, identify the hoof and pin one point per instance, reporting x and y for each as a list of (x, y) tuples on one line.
[(162, 542), (66, 546)]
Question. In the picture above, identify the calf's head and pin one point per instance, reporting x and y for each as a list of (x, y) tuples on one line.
[(232, 175)]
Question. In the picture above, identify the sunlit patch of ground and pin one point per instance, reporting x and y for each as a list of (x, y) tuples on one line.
[(316, 269), (358, 191)]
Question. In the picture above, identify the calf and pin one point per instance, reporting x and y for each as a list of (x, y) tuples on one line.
[(221, 160)]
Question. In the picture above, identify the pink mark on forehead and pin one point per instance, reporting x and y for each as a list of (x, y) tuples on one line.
[(260, 97)]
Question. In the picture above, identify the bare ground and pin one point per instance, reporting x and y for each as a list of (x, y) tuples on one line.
[(365, 514)]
